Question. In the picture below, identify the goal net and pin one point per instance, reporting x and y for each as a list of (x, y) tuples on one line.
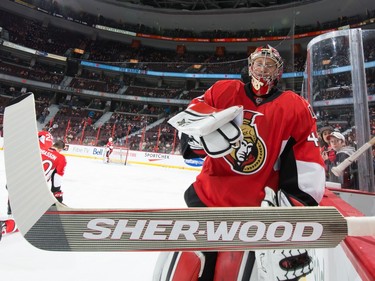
[(119, 155)]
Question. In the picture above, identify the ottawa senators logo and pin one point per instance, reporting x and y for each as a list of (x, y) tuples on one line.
[(249, 157)]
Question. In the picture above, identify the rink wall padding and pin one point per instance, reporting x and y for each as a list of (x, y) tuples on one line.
[(122, 155), (359, 250)]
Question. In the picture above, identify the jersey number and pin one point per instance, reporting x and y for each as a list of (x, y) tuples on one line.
[(312, 137), (48, 168), (43, 139)]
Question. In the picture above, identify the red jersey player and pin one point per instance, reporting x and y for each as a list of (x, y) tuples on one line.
[(109, 149), (53, 161), (54, 164), (261, 149)]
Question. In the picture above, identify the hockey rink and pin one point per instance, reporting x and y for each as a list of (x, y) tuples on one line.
[(91, 183)]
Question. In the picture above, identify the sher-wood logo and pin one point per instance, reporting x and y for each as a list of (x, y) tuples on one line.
[(170, 230)]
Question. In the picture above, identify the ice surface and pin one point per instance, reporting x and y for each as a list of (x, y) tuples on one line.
[(91, 183)]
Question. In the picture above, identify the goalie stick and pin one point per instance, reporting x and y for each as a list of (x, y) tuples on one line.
[(49, 225)]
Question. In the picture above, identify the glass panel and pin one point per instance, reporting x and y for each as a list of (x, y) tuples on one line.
[(338, 75)]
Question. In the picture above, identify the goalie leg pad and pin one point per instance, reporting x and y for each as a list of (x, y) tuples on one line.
[(179, 266), (235, 266)]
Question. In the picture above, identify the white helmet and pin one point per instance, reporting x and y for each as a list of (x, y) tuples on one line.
[(110, 139), (265, 77)]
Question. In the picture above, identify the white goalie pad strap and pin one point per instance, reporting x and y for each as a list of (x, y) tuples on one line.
[(283, 199), (271, 199), (201, 119)]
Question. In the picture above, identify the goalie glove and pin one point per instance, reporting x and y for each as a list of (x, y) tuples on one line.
[(282, 264), (218, 143), (222, 141), (215, 131)]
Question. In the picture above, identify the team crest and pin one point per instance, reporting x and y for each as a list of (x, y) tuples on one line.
[(249, 157)]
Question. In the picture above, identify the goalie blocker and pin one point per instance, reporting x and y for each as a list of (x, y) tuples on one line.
[(214, 131)]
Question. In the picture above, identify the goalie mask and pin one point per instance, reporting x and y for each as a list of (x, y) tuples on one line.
[(265, 69)]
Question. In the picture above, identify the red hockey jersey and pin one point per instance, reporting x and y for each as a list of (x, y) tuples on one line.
[(279, 149), (53, 160), (109, 145)]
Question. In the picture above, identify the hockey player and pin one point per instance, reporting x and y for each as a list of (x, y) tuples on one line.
[(53, 161), (54, 164), (109, 149), (261, 149)]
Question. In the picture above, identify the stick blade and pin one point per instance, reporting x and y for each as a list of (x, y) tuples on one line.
[(29, 194)]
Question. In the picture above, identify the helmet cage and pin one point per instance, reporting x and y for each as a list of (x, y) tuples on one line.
[(271, 53)]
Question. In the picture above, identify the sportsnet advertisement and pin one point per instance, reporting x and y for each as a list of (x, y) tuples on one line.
[(123, 156)]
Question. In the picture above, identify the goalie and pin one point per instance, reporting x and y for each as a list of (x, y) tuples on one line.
[(108, 150), (261, 149)]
